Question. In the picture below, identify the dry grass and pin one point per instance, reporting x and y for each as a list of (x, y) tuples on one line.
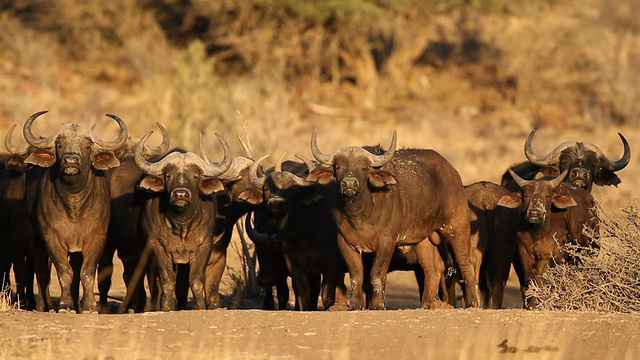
[(605, 280)]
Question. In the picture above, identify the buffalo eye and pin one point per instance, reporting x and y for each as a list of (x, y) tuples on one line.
[(167, 176)]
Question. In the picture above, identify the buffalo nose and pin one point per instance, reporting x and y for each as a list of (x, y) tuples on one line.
[(181, 193), (71, 159), (349, 183), (275, 204)]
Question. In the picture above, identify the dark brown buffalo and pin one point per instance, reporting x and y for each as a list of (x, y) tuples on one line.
[(15, 231), (405, 197), (67, 198), (178, 216), (122, 238), (302, 213), (551, 215), (585, 163)]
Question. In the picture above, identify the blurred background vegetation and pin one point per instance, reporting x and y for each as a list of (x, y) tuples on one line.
[(468, 78)]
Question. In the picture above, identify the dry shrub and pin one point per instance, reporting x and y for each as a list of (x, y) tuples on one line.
[(605, 280)]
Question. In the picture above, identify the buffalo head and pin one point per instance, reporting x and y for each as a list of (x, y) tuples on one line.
[(353, 167), (74, 147), (184, 176), (585, 162), (283, 182), (537, 197)]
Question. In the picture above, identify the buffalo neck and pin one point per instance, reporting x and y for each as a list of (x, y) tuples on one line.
[(358, 208), (181, 222), (74, 191)]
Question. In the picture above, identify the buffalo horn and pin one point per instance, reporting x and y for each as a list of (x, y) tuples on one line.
[(118, 142), (256, 181), (43, 143), (9, 145)]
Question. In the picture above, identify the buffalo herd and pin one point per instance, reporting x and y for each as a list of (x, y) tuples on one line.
[(74, 200)]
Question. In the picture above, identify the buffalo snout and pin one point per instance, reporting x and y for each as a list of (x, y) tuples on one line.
[(71, 163), (349, 186), (181, 197), (580, 177), (536, 212), (276, 205)]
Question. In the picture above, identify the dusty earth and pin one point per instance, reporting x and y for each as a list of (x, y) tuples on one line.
[(402, 332)]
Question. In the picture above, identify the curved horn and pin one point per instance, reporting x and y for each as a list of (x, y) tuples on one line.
[(381, 160), (278, 166), (547, 160), (9, 145), (558, 179), (32, 139), (256, 181), (247, 150), (153, 151), (614, 165), (203, 153), (215, 169), (310, 164), (118, 142), (238, 164), (323, 158), (520, 181), (254, 235), (147, 167)]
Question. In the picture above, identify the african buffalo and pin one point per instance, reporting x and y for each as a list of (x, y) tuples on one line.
[(405, 197), (585, 162), (122, 236), (178, 216), (551, 215), (67, 198), (302, 213)]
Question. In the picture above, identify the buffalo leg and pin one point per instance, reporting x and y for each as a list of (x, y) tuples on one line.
[(379, 269), (457, 233), (433, 266), (167, 276), (213, 276), (282, 292), (353, 259), (105, 272), (91, 255), (65, 273), (43, 274), (197, 279)]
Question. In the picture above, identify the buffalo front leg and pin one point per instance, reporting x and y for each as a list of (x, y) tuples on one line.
[(353, 259), (164, 267), (379, 268), (213, 276), (91, 255), (65, 273), (433, 267), (197, 269)]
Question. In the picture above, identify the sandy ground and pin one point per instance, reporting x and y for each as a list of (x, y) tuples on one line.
[(402, 332)]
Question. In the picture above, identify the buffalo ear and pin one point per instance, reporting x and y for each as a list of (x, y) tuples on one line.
[(606, 177), (41, 157), (252, 196), (547, 171), (510, 201), (322, 175), (381, 178), (16, 163), (153, 183), (105, 160), (211, 185), (563, 201)]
